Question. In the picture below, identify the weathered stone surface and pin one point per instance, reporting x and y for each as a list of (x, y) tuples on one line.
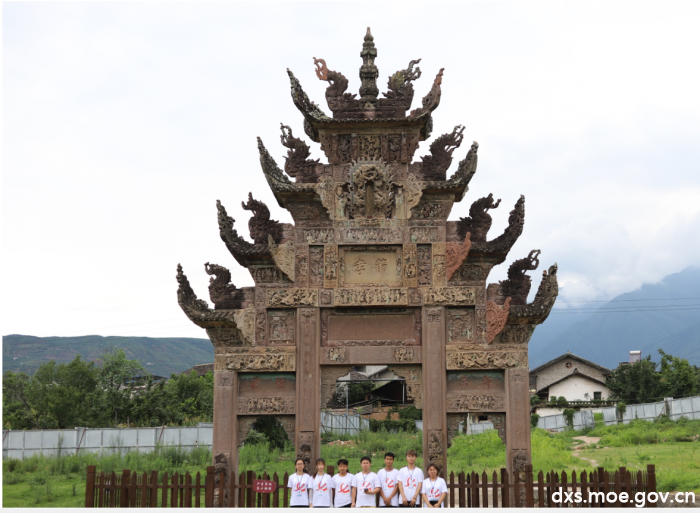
[(256, 359)]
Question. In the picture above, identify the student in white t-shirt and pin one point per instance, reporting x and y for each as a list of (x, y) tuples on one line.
[(388, 477), (434, 489), (300, 483), (410, 482), (342, 484), (365, 486), (322, 485)]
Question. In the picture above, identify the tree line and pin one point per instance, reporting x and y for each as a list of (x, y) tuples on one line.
[(103, 394)]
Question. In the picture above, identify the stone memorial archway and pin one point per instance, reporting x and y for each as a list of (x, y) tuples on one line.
[(371, 272)]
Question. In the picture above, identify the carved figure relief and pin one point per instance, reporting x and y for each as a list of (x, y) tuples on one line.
[(371, 297), (370, 147), (449, 296), (370, 192), (426, 234), (412, 194), (431, 210), (516, 334), (334, 355), (425, 265), (415, 297), (372, 235), (457, 359), (410, 265), (326, 190), (465, 403), (301, 266), (326, 298), (404, 355), (252, 359), (282, 325), (520, 459), (304, 445), (315, 236), (455, 255), (260, 326), (331, 267), (265, 405), (291, 297), (460, 326), (439, 266), (316, 267), (496, 317), (435, 449)]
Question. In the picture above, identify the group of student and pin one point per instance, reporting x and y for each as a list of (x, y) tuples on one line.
[(406, 488)]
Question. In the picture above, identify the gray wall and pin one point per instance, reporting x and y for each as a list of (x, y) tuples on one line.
[(675, 408), (22, 444)]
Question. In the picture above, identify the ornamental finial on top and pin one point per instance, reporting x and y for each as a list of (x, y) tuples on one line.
[(368, 73)]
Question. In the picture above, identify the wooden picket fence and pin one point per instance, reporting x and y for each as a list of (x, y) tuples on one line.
[(471, 490)]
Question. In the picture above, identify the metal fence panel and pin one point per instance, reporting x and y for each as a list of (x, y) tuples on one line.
[(479, 427), (93, 438), (610, 416), (32, 439)]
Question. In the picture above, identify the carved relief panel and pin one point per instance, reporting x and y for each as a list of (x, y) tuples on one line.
[(301, 269), (425, 265), (460, 326), (330, 258), (439, 266), (282, 326), (256, 359), (316, 266), (367, 296), (410, 265), (372, 266), (458, 359)]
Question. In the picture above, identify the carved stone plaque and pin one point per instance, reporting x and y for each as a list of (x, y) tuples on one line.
[(369, 355), (316, 267), (384, 327), (254, 359), (370, 266), (371, 297)]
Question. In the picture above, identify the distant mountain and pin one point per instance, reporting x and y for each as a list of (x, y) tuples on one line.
[(607, 337), (160, 356)]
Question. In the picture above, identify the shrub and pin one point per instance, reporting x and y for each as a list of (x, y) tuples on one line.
[(562, 402), (569, 417), (392, 426), (534, 418), (410, 413), (272, 430), (535, 400)]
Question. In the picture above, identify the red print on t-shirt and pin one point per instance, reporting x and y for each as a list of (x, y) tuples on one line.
[(344, 488)]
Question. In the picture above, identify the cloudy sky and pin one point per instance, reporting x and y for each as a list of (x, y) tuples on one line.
[(123, 123)]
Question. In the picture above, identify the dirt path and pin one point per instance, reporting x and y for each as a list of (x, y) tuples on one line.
[(584, 441)]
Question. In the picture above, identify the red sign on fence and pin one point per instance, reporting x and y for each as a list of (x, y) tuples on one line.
[(263, 486)]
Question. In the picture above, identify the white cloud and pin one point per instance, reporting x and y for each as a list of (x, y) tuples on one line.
[(124, 122)]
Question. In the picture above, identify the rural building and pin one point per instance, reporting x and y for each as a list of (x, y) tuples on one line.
[(570, 376)]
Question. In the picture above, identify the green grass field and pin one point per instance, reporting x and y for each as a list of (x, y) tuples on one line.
[(672, 446)]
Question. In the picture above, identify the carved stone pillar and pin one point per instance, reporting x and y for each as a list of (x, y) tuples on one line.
[(225, 443), (308, 416), (434, 388), (518, 449)]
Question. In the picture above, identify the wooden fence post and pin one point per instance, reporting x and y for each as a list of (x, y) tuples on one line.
[(651, 480), (90, 487), (124, 489), (209, 488), (529, 495)]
